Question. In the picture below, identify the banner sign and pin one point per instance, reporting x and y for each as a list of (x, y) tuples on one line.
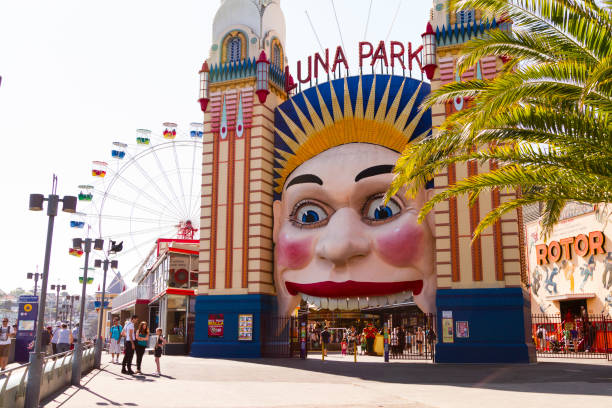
[(245, 327), (26, 326), (26, 319), (215, 325), (447, 326)]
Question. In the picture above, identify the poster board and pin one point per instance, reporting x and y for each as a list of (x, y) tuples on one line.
[(447, 326), (463, 329), (245, 327), (215, 325)]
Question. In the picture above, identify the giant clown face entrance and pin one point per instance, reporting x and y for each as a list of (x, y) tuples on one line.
[(337, 246)]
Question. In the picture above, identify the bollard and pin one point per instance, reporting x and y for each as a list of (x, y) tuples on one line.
[(386, 341), (322, 350), (355, 350)]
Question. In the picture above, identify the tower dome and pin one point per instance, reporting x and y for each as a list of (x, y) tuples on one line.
[(241, 17)]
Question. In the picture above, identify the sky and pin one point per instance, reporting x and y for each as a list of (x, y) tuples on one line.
[(78, 75)]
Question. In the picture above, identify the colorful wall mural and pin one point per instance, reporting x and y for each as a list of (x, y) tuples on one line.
[(573, 264)]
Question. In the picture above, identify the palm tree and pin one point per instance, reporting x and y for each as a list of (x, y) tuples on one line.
[(545, 119)]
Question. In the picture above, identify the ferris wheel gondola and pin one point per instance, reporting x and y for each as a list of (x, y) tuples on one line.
[(149, 190)]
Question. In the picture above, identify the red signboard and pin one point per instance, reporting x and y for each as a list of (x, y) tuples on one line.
[(215, 325)]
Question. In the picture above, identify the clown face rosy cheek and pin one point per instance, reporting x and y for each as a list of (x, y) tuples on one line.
[(401, 245), (293, 253)]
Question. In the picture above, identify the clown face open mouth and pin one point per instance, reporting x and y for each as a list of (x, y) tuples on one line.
[(351, 295)]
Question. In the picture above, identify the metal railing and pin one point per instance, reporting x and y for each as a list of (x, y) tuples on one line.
[(57, 370), (555, 336), (133, 294)]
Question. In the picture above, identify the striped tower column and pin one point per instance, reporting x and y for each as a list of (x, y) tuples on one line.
[(478, 282)]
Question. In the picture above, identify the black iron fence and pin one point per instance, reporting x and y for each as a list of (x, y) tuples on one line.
[(412, 335), (581, 337), (279, 336)]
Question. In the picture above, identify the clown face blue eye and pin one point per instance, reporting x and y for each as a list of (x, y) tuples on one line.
[(309, 214), (375, 210)]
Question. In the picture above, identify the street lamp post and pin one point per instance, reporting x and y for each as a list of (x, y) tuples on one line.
[(77, 358), (35, 276), (72, 299), (57, 288), (36, 358), (100, 340)]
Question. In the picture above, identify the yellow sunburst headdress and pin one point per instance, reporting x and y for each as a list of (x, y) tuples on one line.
[(376, 109)]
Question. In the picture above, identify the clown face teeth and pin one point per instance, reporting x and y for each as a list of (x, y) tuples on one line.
[(324, 303), (355, 303), (333, 304)]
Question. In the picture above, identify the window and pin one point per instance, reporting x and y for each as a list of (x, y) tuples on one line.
[(234, 49), (465, 16), (276, 56), (176, 318)]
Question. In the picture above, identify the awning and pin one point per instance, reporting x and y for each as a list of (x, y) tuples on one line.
[(571, 296)]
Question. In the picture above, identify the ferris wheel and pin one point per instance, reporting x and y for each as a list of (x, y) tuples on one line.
[(144, 190)]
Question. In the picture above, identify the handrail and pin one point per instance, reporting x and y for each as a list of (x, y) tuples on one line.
[(45, 359), (10, 370)]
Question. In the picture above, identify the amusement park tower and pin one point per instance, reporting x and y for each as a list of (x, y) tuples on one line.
[(242, 82), (483, 283)]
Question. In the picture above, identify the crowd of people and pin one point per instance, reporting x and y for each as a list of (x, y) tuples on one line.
[(131, 338), (574, 333), (413, 340), (136, 339)]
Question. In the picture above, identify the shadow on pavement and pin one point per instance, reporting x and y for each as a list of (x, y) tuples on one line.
[(543, 377)]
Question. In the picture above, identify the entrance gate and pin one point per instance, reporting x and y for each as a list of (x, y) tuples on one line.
[(566, 338), (280, 336), (412, 335)]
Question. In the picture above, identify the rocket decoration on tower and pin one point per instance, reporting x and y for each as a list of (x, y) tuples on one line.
[(223, 129), (290, 84), (239, 119)]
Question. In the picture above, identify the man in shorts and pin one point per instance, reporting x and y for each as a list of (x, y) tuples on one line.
[(6, 332), (115, 340), (55, 336)]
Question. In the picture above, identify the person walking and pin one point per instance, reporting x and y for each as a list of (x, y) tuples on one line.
[(6, 332), (130, 346), (370, 333), (75, 336), (344, 346), (64, 339), (54, 336), (394, 341), (159, 344), (363, 342), (420, 337), (325, 336), (45, 340), (115, 341), (401, 340), (142, 339)]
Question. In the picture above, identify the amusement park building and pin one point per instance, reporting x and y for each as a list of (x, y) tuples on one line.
[(263, 252), (572, 267), (165, 292)]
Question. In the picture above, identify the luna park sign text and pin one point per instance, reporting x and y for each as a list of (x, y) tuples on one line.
[(396, 54)]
